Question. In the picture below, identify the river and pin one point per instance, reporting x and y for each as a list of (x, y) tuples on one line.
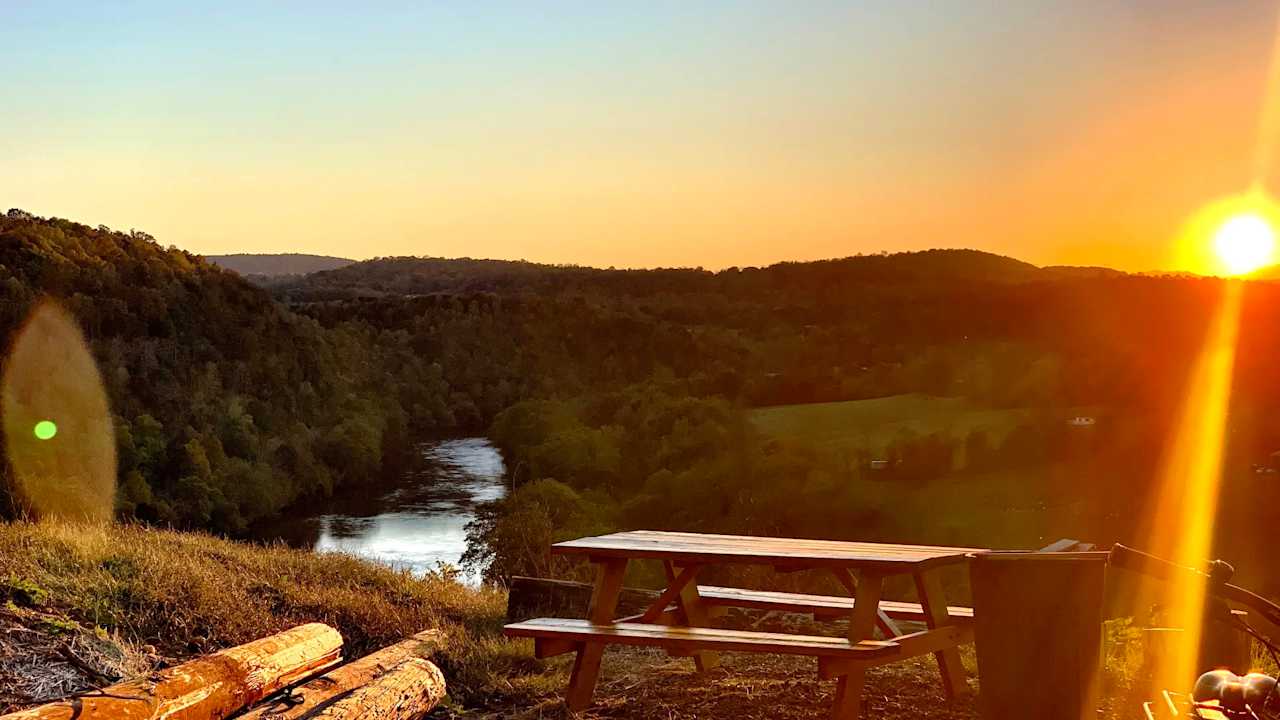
[(418, 524)]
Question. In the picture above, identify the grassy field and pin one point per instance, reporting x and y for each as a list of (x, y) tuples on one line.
[(873, 424), (1004, 509)]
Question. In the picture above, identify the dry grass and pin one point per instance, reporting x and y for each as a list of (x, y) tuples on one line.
[(167, 596)]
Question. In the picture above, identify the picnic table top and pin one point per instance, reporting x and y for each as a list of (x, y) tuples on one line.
[(757, 550)]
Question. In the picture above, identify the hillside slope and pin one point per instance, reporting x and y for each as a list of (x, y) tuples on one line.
[(226, 405), (130, 599)]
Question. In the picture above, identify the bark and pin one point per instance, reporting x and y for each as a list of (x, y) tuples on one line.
[(209, 688), (406, 692), (341, 681)]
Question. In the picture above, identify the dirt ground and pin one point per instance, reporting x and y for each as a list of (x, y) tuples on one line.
[(44, 656), (639, 684)]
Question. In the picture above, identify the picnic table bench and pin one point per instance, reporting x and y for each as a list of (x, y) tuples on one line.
[(679, 620)]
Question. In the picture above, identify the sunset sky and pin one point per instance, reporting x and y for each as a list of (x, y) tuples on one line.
[(637, 134)]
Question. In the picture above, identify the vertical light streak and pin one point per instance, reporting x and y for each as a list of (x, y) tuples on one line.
[(1183, 519), (1269, 121)]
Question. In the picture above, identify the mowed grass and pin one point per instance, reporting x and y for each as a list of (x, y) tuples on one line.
[(875, 423), (1002, 509), (187, 594)]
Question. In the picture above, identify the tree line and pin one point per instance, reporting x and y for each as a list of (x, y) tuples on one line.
[(630, 389)]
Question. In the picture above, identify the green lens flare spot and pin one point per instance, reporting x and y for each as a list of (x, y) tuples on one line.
[(46, 429)]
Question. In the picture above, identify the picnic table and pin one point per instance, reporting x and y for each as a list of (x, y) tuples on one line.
[(680, 619)]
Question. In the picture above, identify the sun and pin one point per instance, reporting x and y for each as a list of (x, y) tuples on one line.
[(1244, 243)]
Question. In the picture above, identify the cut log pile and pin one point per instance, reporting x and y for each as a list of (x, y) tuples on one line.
[(288, 676)]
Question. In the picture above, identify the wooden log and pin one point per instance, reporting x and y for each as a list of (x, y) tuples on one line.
[(406, 692), (340, 681), (209, 688)]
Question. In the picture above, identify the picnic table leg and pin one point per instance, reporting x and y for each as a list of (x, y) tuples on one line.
[(862, 626), (695, 615), (934, 602), (886, 624), (604, 603)]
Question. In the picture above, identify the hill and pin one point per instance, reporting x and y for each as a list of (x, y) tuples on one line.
[(225, 405), (277, 264), (423, 276)]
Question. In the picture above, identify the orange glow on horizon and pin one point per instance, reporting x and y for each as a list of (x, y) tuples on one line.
[(1245, 243), (1231, 237)]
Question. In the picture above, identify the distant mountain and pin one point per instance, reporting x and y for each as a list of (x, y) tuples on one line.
[(278, 264), (422, 276)]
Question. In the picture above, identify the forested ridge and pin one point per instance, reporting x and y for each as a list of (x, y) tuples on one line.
[(228, 406), (622, 398)]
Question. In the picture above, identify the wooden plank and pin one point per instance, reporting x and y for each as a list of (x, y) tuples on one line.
[(209, 688), (886, 624), (912, 645), (695, 548), (408, 691), (543, 597), (862, 623), (695, 613), (866, 605), (1062, 545), (309, 696), (694, 638), (675, 586), (934, 602), (544, 648), (713, 537), (821, 605), (848, 701), (604, 602), (698, 541)]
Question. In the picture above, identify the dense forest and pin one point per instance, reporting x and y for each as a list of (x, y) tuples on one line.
[(227, 405), (622, 398)]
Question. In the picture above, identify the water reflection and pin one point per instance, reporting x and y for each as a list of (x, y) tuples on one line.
[(419, 524)]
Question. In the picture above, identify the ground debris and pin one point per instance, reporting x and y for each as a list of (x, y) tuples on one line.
[(643, 684), (44, 657)]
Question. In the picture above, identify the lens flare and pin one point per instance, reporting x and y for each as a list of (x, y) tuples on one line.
[(45, 430), (1184, 512), (50, 373)]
